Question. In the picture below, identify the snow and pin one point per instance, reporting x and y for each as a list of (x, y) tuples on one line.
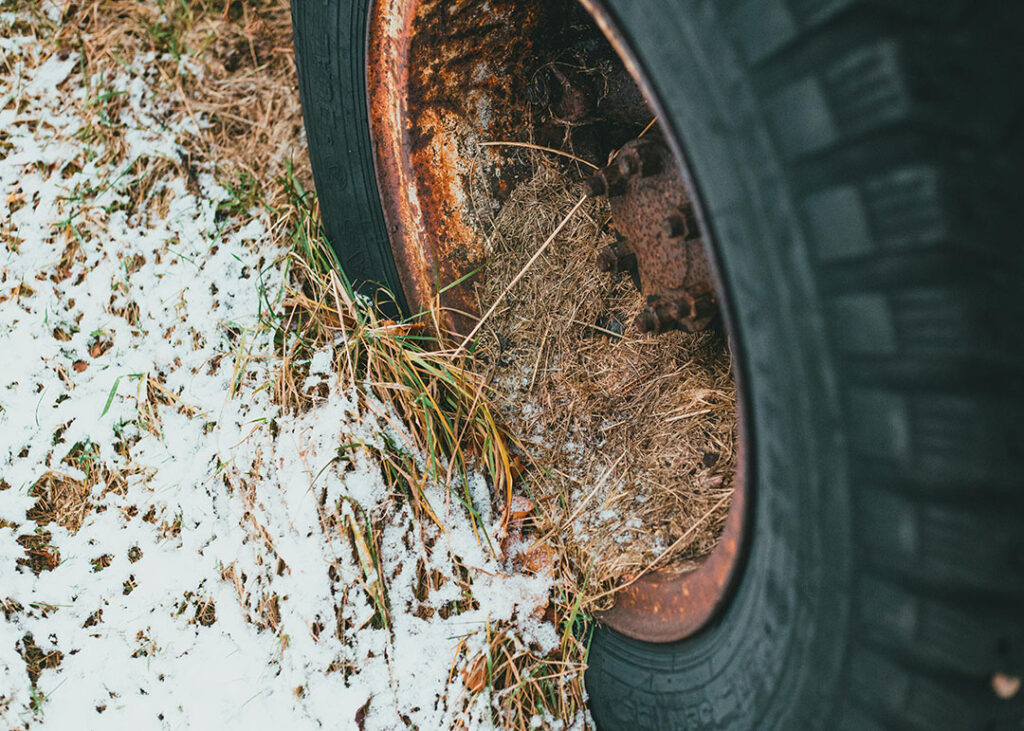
[(222, 495)]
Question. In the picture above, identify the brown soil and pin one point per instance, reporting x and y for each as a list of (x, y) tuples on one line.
[(631, 436)]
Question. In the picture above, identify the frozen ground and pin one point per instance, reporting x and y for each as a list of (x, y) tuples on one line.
[(175, 551)]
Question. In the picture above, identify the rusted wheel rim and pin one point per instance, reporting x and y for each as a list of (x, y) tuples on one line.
[(441, 78)]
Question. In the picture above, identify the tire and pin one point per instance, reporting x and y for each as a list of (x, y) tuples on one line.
[(330, 53), (858, 162)]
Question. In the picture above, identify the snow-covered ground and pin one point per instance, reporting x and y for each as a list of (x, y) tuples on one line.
[(175, 550)]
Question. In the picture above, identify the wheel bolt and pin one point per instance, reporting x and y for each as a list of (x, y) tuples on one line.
[(648, 321), (673, 226), (680, 223), (629, 165), (595, 186), (640, 157), (616, 258), (606, 181)]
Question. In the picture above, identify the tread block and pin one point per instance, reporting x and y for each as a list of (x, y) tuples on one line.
[(971, 639), (863, 324), (857, 719), (904, 209), (881, 424), (883, 685), (861, 91), (801, 118), (940, 436), (908, 207), (951, 546), (866, 88), (949, 336), (838, 223), (763, 27)]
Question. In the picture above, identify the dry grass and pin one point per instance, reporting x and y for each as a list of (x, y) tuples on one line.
[(237, 82), (439, 402), (65, 495), (631, 436), (435, 400), (230, 64)]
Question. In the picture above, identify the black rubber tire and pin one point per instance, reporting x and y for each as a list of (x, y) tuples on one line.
[(330, 53), (858, 163)]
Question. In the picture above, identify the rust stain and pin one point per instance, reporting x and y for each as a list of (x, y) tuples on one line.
[(443, 76)]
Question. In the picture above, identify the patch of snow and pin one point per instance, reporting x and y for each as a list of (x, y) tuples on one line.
[(208, 589)]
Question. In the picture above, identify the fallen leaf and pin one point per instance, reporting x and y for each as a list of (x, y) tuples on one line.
[(361, 714), (520, 507), (709, 483), (98, 348), (511, 537), (476, 674), (516, 466), (538, 558)]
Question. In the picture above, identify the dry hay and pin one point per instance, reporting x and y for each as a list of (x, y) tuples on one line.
[(631, 435), (227, 66)]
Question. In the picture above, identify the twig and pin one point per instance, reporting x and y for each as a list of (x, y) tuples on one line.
[(540, 352), (338, 289), (649, 125), (672, 419), (531, 146)]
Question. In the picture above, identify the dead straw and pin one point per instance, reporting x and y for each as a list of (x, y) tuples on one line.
[(526, 267)]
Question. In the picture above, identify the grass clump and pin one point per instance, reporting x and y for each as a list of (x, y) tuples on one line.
[(438, 405), (436, 402)]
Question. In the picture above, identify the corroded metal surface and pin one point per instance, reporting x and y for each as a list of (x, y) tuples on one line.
[(441, 78), (652, 211), (444, 76)]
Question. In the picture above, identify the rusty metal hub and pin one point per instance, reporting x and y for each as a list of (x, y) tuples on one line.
[(659, 240), (446, 80)]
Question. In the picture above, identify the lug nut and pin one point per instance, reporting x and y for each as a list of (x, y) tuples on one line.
[(647, 320), (673, 226), (629, 165), (641, 157), (606, 181), (660, 315), (680, 223), (595, 186), (688, 313), (616, 258)]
